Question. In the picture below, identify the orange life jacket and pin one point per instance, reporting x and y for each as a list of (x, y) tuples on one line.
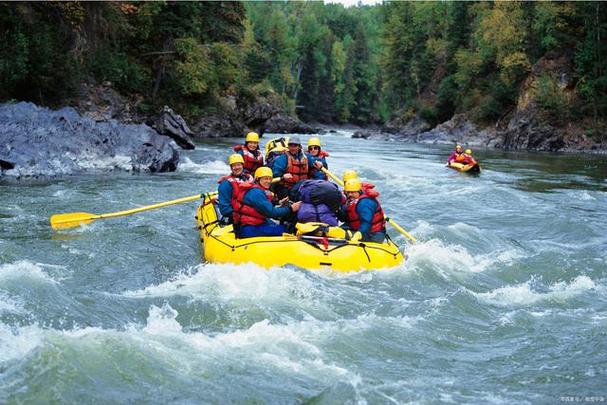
[(252, 160), (245, 214), (377, 222), (297, 168)]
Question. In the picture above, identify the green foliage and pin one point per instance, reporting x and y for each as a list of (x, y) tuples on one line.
[(552, 100), (192, 69), (325, 61)]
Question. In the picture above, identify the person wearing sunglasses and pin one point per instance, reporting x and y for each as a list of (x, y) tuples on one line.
[(316, 160)]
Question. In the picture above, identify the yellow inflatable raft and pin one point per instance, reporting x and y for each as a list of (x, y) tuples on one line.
[(309, 252), (476, 168)]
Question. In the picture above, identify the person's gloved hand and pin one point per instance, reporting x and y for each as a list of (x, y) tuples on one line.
[(356, 237)]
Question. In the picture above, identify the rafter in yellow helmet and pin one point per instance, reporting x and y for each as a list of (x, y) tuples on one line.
[(235, 158), (252, 137)]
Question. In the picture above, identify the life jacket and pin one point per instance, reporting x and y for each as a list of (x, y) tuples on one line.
[(252, 160), (468, 160), (236, 182), (377, 222), (460, 158), (314, 169), (245, 214), (369, 190), (297, 168)]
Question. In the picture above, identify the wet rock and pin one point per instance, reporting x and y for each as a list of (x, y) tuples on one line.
[(174, 126), (41, 142), (361, 134)]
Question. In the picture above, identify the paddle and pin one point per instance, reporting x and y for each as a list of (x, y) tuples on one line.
[(389, 220), (73, 219)]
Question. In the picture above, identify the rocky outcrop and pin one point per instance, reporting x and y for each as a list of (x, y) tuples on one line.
[(459, 129), (282, 123), (101, 102), (36, 141), (533, 127), (174, 126), (539, 121), (235, 119)]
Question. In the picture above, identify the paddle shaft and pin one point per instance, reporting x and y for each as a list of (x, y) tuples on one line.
[(389, 220)]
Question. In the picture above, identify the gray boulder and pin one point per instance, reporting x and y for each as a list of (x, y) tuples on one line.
[(174, 126), (36, 141)]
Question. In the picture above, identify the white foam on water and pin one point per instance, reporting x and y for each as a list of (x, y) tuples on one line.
[(16, 342), (455, 259), (75, 251), (523, 294), (8, 305), (94, 162), (24, 269), (227, 282), (209, 167)]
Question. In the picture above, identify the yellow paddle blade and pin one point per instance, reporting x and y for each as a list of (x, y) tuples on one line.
[(71, 219)]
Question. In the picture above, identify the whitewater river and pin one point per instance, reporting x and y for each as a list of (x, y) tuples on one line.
[(503, 300)]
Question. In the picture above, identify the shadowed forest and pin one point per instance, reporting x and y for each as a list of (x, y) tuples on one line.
[(325, 63)]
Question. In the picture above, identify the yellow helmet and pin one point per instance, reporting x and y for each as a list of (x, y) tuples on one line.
[(468, 152), (314, 141), (252, 137), (458, 147), (352, 185), (350, 174), (263, 172), (235, 158)]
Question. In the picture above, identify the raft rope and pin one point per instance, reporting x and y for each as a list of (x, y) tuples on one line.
[(309, 242)]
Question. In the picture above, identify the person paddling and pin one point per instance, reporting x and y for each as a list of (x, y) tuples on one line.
[(316, 160), (229, 186), (455, 155), (363, 213), (253, 158), (253, 208), (351, 174)]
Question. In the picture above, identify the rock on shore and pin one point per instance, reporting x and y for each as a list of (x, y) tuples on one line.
[(36, 141)]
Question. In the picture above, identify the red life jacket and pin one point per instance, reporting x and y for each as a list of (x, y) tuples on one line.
[(297, 168), (252, 161), (369, 190), (314, 169), (236, 182), (377, 222), (245, 214), (468, 160)]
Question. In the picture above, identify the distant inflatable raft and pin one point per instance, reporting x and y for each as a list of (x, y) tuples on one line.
[(309, 252), (460, 167)]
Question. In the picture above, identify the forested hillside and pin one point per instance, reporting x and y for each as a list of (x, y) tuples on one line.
[(324, 63)]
